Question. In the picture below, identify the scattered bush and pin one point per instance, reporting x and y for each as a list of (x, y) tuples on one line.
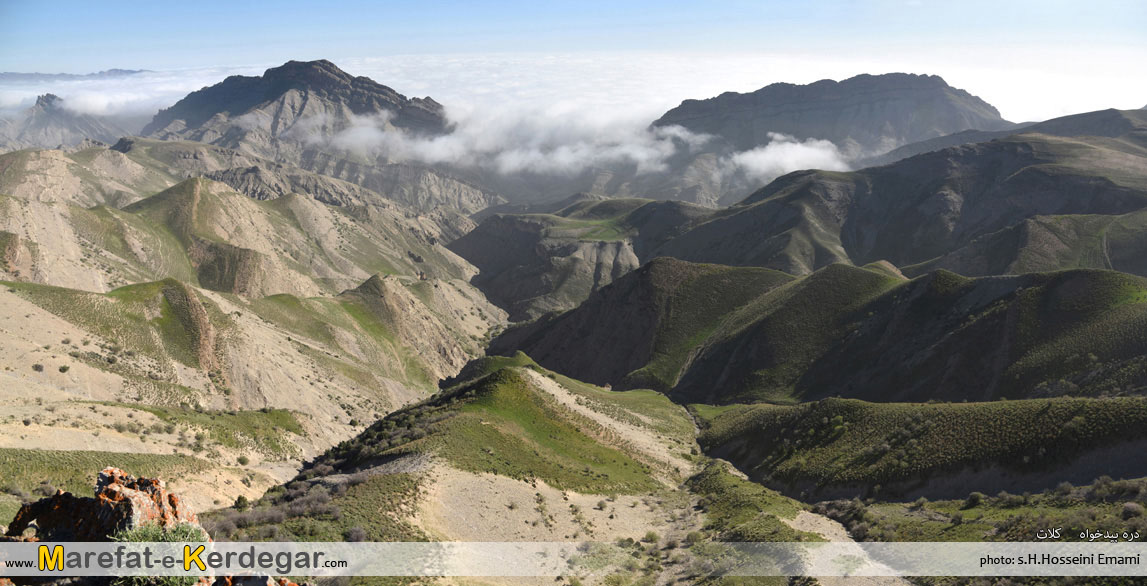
[(1132, 510), (355, 534), (974, 500)]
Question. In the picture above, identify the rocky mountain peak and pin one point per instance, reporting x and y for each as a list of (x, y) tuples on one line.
[(48, 102), (865, 113), (319, 81)]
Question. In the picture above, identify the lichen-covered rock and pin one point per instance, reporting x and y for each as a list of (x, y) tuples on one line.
[(121, 502)]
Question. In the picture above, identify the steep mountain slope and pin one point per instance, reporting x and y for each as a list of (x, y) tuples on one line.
[(49, 124), (924, 206), (298, 113), (714, 334), (203, 232), (533, 263), (866, 113), (655, 315)]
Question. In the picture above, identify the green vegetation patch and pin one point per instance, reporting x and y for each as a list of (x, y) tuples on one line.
[(524, 434), (740, 510), (319, 506), (1106, 505), (498, 423), (264, 430), (141, 318), (851, 442), (701, 299), (75, 471)]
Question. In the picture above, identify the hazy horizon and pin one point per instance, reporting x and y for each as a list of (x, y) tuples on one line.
[(579, 87), (1032, 60)]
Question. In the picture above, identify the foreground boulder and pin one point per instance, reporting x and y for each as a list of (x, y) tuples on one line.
[(122, 502)]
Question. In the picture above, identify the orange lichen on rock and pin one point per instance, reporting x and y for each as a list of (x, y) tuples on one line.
[(121, 502)]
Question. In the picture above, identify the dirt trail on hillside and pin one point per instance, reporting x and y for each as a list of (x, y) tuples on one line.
[(835, 532), (464, 506), (644, 440)]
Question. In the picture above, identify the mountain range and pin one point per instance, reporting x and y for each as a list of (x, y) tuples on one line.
[(349, 347)]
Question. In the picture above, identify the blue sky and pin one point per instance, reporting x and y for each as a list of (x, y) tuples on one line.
[(82, 36)]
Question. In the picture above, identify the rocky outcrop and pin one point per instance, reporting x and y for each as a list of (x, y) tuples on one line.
[(122, 502), (48, 124)]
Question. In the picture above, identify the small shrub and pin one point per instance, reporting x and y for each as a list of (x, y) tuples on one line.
[(243, 460), (651, 537), (1132, 510), (974, 500), (154, 533), (38, 367), (241, 503), (64, 368)]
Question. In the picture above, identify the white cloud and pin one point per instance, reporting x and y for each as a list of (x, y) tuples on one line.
[(512, 141), (785, 154)]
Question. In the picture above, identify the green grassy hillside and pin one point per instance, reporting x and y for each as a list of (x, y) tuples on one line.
[(840, 446), (668, 308), (1116, 506), (718, 335)]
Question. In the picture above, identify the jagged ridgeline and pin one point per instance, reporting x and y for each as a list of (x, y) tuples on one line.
[(866, 113), (717, 334)]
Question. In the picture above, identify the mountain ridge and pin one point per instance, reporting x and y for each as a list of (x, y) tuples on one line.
[(865, 113)]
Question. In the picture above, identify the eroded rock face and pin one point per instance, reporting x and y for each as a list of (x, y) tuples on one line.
[(121, 502)]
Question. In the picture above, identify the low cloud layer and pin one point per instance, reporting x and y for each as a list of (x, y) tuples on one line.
[(543, 114), (141, 94), (516, 141)]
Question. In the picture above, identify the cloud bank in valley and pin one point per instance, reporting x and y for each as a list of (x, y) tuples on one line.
[(139, 94), (544, 114)]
